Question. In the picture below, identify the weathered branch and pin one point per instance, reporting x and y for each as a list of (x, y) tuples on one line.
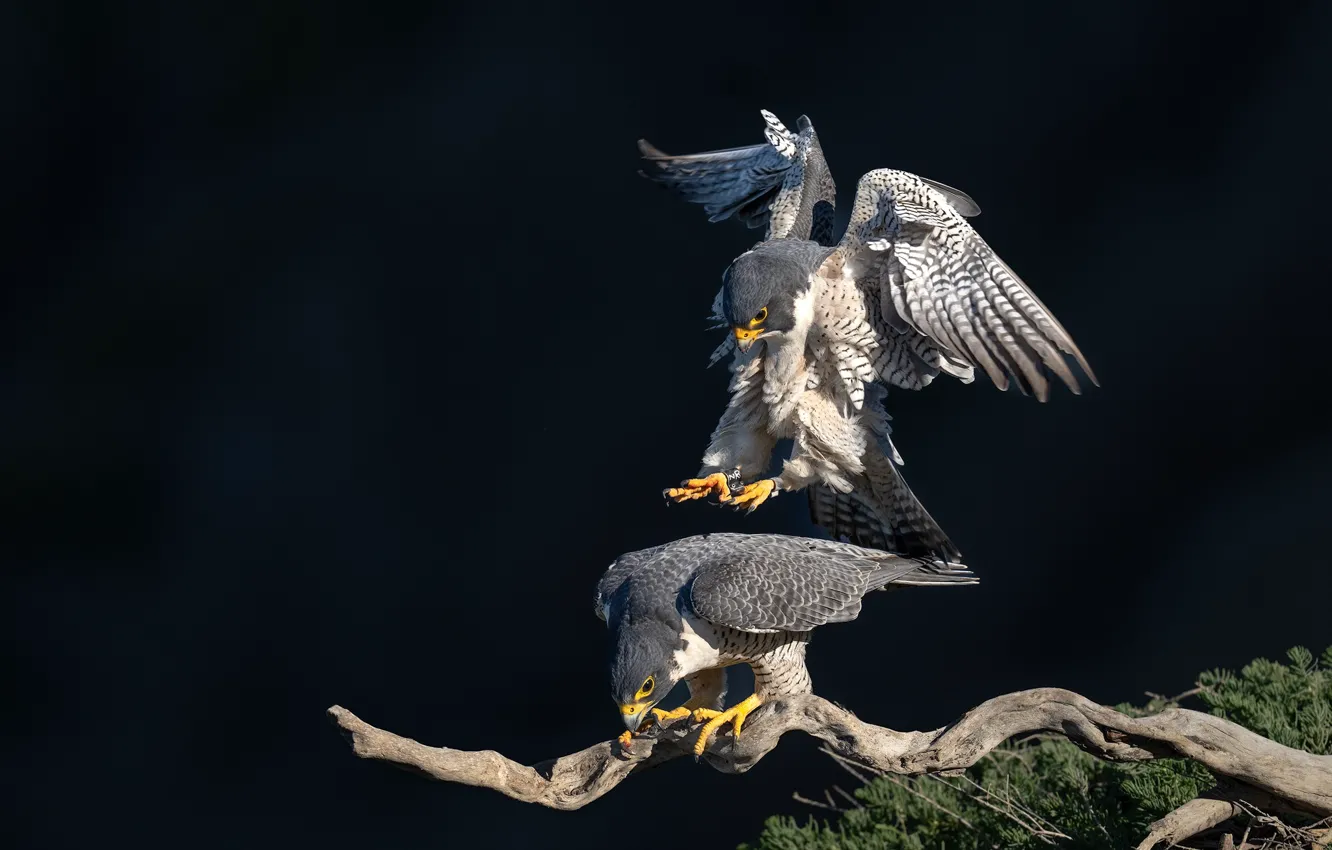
[(1188, 820), (1300, 781)]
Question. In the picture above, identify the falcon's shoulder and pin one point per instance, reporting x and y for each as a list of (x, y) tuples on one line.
[(620, 571), (656, 573)]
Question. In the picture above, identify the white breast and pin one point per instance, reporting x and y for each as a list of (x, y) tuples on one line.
[(784, 368), (700, 647)]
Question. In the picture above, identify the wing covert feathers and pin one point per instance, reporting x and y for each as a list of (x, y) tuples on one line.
[(939, 278), (763, 583)]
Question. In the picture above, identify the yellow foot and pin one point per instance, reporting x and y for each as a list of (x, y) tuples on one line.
[(753, 495), (656, 716), (698, 488), (735, 715), (663, 716)]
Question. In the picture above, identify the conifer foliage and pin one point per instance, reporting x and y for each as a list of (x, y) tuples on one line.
[(1045, 792)]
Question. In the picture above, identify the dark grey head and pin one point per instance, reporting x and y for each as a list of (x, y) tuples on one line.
[(760, 288), (642, 666)]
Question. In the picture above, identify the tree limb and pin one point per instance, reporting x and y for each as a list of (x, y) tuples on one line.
[(1188, 820), (1302, 781)]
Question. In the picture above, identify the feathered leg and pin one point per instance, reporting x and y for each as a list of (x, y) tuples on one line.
[(740, 443)]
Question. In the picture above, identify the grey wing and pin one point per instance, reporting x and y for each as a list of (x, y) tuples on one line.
[(620, 570), (611, 581), (764, 583), (808, 209), (787, 174), (938, 278)]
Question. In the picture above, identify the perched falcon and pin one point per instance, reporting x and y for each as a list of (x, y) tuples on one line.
[(686, 610), (820, 331)]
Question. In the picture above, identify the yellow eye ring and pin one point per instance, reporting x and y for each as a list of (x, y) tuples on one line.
[(648, 684), (759, 317)]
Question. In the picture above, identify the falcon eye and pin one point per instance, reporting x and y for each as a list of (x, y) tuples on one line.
[(759, 316), (648, 685)]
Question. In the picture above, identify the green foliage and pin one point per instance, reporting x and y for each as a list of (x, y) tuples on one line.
[(1291, 704), (1044, 791)]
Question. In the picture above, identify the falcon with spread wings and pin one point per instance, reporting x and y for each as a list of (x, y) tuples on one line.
[(819, 330)]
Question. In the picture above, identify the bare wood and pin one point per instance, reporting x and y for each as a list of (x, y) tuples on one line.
[(1188, 820), (1300, 780)]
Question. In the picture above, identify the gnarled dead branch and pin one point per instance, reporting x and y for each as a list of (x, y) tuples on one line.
[(1259, 771)]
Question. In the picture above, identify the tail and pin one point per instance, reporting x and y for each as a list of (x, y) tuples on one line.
[(881, 513), (933, 574)]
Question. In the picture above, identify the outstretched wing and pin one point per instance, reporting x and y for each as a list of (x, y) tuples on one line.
[(939, 278), (770, 582), (783, 185)]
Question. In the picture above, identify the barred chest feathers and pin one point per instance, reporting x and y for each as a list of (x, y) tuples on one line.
[(786, 365), (848, 342), (834, 349)]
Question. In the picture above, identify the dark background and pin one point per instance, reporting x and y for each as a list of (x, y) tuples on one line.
[(344, 348)]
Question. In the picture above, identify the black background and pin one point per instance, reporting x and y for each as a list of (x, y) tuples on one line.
[(344, 348)]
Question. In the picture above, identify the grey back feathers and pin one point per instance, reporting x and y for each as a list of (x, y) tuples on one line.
[(758, 582)]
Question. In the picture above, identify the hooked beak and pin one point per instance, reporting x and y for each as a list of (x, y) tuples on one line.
[(744, 337), (632, 713)]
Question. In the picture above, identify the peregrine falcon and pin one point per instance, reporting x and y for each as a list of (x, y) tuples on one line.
[(820, 331), (686, 610)]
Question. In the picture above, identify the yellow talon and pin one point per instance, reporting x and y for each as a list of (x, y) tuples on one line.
[(663, 716), (657, 716), (735, 715), (698, 488), (702, 714), (754, 494)]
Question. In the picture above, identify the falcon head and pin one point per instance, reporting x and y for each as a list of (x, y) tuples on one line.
[(760, 288), (643, 668)]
